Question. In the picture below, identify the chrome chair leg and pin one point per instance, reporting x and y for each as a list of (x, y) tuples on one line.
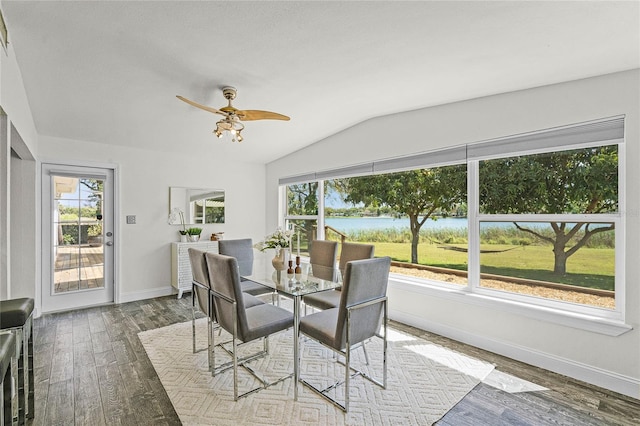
[(237, 361), (351, 372), (8, 361), (347, 365), (366, 355), (193, 317), (235, 354), (193, 321)]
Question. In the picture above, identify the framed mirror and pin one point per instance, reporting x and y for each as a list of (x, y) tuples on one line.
[(198, 205)]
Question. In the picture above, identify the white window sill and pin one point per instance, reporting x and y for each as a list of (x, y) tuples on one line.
[(576, 320)]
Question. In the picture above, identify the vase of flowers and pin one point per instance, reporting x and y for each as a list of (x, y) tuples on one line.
[(278, 240), (278, 260), (177, 216)]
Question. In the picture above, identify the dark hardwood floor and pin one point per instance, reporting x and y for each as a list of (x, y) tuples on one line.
[(90, 369)]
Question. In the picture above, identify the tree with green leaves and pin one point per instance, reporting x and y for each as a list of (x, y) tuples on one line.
[(417, 193), (96, 186), (302, 199), (583, 181)]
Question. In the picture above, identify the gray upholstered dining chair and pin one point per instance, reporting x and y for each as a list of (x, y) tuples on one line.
[(354, 251), (245, 324), (349, 252), (323, 253), (201, 292), (358, 317), (242, 250)]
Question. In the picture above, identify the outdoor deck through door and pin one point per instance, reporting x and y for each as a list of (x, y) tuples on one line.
[(78, 236), (79, 228)]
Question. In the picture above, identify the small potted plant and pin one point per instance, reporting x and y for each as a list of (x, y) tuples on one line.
[(194, 234)]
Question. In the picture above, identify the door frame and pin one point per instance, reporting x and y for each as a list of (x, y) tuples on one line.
[(45, 254)]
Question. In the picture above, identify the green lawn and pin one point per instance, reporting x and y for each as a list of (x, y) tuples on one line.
[(588, 267)]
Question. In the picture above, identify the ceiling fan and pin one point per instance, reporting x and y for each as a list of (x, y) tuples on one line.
[(232, 116)]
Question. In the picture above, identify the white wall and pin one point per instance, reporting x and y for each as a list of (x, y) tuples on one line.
[(19, 216), (608, 361), (23, 222), (144, 180), (13, 99)]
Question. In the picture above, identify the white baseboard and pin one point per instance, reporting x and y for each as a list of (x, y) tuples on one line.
[(619, 383), (146, 294)]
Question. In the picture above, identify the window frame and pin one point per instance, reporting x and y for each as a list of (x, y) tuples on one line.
[(475, 218), (286, 217), (602, 320)]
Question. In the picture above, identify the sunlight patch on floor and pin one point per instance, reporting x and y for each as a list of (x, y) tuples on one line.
[(481, 370), (398, 336), (463, 363), (512, 384)]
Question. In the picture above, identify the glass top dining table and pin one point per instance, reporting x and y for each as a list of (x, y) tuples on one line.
[(311, 279)]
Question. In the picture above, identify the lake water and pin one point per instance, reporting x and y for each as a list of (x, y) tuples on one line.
[(350, 224), (344, 224)]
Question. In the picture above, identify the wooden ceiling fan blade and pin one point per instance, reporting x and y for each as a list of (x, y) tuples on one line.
[(254, 114), (197, 105)]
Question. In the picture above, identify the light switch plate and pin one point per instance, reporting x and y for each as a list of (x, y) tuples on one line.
[(131, 219)]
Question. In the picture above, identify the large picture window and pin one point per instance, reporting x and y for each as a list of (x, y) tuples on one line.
[(417, 217), (557, 230), (532, 217)]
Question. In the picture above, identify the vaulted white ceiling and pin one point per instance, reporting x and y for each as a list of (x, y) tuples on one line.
[(109, 72)]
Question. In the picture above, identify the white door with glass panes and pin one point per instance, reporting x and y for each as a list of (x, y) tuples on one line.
[(77, 228)]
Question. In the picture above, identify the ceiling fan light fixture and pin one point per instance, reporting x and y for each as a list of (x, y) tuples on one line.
[(231, 122), (231, 125)]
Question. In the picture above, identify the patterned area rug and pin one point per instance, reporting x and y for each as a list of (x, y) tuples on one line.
[(424, 381)]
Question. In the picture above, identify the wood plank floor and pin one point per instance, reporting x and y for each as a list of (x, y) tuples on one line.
[(90, 369)]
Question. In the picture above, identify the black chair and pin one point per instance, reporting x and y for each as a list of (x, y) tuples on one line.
[(330, 299), (245, 324), (201, 292), (242, 250), (16, 316), (7, 354), (358, 317)]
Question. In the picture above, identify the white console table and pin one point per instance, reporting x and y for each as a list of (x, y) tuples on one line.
[(181, 277)]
